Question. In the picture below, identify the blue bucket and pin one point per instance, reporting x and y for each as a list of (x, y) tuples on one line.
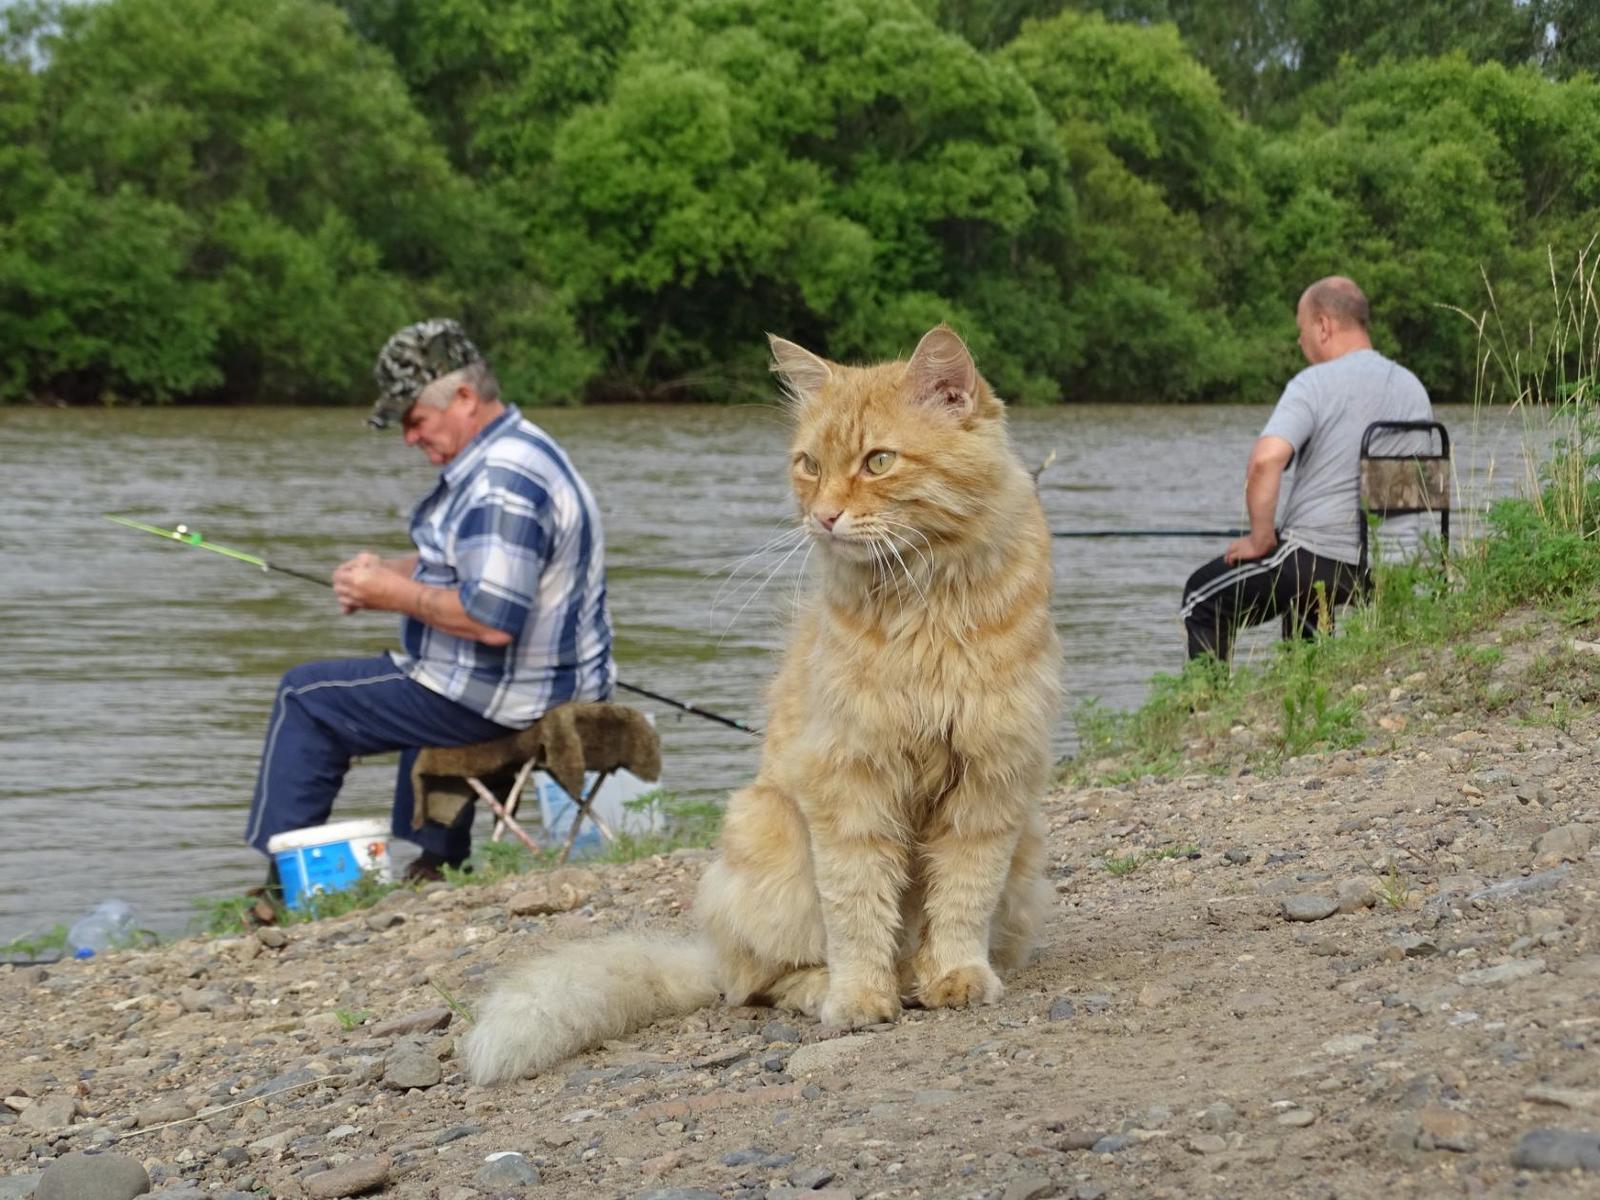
[(329, 858)]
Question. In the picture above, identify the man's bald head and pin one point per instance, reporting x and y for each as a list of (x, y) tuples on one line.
[(1338, 299), (1332, 318)]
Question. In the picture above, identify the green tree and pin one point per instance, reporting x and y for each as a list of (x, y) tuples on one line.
[(1420, 178), (245, 190), (1163, 281), (841, 171)]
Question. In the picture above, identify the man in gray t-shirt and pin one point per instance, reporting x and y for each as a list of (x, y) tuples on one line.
[(1317, 425)]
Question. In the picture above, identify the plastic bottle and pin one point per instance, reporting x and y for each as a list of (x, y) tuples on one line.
[(107, 926)]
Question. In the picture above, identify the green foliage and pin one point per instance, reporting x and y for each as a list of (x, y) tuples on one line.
[(226, 199), (1162, 176), (40, 945), (1110, 199), (1310, 719), (1121, 865), (351, 1018)]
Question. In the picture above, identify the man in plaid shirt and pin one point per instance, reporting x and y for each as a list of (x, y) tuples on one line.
[(503, 605)]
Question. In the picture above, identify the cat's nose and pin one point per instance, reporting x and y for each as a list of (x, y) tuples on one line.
[(826, 520)]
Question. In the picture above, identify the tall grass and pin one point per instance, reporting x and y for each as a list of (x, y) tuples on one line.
[(1539, 548)]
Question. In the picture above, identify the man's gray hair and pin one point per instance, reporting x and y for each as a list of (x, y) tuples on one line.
[(478, 376)]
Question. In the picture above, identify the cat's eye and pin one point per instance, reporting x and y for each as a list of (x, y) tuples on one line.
[(807, 464), (878, 461)]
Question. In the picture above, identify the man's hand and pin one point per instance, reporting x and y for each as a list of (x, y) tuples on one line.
[(1249, 548), (364, 582)]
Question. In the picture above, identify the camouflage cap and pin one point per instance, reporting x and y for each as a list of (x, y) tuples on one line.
[(412, 359)]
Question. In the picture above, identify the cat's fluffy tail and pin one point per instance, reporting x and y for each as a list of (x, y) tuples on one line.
[(550, 1007)]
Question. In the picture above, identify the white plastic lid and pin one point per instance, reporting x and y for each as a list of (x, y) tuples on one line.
[(327, 835)]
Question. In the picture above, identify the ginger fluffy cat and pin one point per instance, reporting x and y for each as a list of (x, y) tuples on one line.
[(891, 847)]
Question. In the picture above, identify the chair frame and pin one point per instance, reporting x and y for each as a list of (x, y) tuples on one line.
[(1366, 510)]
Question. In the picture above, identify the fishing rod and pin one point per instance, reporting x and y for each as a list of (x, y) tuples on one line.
[(185, 536), (190, 537), (1148, 533)]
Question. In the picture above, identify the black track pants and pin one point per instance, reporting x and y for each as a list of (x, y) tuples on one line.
[(1220, 599)]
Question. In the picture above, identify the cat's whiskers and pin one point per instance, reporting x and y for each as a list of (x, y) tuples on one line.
[(772, 545), (927, 562), (912, 579), (763, 587)]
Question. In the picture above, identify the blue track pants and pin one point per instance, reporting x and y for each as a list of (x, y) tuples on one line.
[(327, 713)]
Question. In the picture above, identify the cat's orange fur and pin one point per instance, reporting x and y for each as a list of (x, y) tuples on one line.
[(891, 847)]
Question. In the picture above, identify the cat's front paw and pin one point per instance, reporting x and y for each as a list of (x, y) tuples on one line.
[(853, 1007), (975, 983)]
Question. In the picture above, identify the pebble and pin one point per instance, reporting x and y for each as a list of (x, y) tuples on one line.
[(1062, 1009), (1565, 843), (1207, 1143), (1557, 1150), (1580, 1099), (679, 1193), (778, 1031), (1349, 1043), (1029, 1187), (1445, 1129), (48, 1113), (1355, 895), (811, 1178), (409, 1066), (1114, 1143), (1522, 968), (352, 1179), (506, 1172), (1309, 906), (1154, 995), (1218, 1117), (1238, 856), (172, 1108), (1297, 1118), (1413, 945), (426, 1021), (19, 1187), (823, 1057), (84, 1174)]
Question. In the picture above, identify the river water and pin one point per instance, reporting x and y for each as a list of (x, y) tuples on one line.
[(139, 673)]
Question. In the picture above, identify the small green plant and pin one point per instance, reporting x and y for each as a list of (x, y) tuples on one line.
[(223, 916), (40, 945), (1126, 864), (1392, 889), (350, 1018), (363, 893), (495, 861), (1186, 850)]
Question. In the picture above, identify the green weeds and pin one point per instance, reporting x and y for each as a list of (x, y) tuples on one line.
[(1392, 890), (36, 946), (350, 1018), (1127, 864)]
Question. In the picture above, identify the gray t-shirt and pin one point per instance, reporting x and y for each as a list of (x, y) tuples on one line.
[(1322, 413)]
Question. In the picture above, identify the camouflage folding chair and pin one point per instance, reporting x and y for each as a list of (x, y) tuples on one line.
[(1394, 485)]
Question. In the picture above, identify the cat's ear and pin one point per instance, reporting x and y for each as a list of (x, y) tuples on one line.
[(941, 373), (803, 373)]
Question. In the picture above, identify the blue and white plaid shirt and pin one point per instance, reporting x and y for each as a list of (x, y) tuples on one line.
[(513, 526)]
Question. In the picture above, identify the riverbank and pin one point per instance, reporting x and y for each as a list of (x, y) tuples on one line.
[(1368, 971)]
